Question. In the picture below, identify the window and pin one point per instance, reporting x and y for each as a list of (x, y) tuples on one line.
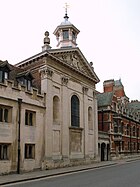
[(122, 128), (134, 130), (5, 114), (138, 146), (128, 145), (29, 118), (122, 145), (29, 151), (90, 120), (75, 118), (28, 85), (25, 81), (137, 132), (65, 35), (1, 79), (115, 127), (56, 109), (4, 151), (73, 35), (128, 129), (3, 75), (134, 145)]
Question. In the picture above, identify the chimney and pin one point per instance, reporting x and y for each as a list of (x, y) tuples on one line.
[(108, 85)]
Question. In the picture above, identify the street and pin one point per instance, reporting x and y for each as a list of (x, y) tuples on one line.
[(121, 175)]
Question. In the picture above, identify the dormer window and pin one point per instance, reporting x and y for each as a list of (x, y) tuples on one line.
[(26, 82), (6, 75), (25, 78), (4, 70), (65, 34)]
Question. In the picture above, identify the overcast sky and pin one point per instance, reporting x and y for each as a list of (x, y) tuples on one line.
[(109, 34)]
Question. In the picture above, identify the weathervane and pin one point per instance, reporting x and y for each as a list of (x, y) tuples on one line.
[(66, 9)]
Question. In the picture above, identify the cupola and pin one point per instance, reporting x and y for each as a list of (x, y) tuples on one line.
[(66, 33)]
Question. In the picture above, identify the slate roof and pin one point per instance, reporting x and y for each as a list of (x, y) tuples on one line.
[(118, 82), (104, 99), (134, 105), (16, 72)]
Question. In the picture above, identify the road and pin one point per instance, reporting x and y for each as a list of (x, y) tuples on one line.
[(121, 175)]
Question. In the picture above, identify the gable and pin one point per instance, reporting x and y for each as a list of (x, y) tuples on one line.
[(4, 65), (74, 57)]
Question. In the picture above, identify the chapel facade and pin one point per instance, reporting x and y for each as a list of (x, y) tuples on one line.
[(48, 107)]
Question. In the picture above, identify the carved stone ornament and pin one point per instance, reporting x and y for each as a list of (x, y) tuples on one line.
[(49, 72), (85, 90), (64, 81), (46, 72)]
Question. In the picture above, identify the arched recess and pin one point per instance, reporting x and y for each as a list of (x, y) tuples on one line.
[(75, 111), (103, 146), (56, 109), (90, 118)]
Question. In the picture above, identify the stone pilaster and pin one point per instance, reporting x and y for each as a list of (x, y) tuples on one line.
[(95, 125), (47, 86), (85, 120), (65, 119)]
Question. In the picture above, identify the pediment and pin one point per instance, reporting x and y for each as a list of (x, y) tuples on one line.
[(75, 59)]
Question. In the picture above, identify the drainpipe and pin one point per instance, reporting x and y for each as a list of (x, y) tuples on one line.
[(137, 138), (102, 120), (19, 122), (130, 138)]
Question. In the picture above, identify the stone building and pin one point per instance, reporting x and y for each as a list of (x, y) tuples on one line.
[(48, 107), (22, 110), (118, 122)]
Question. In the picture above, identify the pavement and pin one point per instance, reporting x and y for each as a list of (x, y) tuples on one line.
[(39, 174)]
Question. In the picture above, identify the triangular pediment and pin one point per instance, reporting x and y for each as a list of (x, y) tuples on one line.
[(74, 58)]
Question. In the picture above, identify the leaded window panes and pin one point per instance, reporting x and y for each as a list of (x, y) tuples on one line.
[(75, 116), (65, 35)]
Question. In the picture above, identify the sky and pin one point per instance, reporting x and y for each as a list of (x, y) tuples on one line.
[(109, 34)]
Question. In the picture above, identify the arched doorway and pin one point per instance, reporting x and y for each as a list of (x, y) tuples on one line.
[(103, 146), (108, 152)]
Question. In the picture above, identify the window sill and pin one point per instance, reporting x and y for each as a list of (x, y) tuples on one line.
[(75, 128)]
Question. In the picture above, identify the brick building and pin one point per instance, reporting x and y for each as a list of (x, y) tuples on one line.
[(118, 122)]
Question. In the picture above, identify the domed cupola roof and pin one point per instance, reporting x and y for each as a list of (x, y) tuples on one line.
[(66, 21)]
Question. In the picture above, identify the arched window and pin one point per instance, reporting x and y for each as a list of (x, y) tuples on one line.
[(90, 118), (65, 34), (75, 116), (56, 109)]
